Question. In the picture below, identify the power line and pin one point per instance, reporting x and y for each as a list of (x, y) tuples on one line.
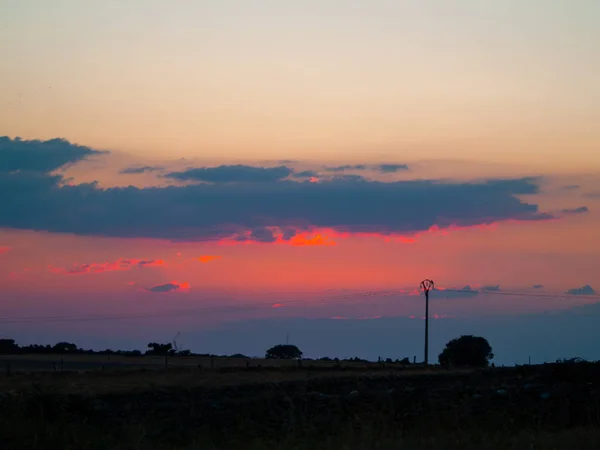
[(521, 294), (258, 305), (180, 312)]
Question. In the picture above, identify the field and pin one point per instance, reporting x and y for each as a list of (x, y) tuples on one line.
[(145, 406), (51, 362)]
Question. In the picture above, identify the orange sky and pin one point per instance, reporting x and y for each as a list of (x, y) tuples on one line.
[(459, 95)]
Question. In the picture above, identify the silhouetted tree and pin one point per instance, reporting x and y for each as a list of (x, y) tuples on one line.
[(8, 347), (64, 347), (283, 352), (159, 349), (473, 351)]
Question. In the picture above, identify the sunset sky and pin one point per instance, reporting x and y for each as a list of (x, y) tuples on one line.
[(242, 170)]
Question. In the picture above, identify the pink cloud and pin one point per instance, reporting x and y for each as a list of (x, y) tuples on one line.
[(4, 249), (118, 265)]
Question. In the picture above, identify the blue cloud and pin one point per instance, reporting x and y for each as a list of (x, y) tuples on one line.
[(584, 290), (140, 169), (229, 174), (40, 156), (579, 210), (392, 168), (169, 287), (226, 208), (346, 167), (494, 288), (305, 174)]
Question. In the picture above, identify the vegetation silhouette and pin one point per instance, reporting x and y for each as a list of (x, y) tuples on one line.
[(286, 351), (467, 351)]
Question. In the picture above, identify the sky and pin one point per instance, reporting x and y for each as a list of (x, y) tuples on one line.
[(239, 171)]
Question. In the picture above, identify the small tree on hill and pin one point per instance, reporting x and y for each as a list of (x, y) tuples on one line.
[(473, 351), (284, 352)]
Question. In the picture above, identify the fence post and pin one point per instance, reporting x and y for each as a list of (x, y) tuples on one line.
[(8, 369), (166, 362), (62, 364), (212, 361)]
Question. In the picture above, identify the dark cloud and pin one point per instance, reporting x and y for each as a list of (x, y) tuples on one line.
[(346, 167), (570, 187), (141, 169), (466, 291), (41, 201), (40, 156), (494, 288), (584, 290), (392, 168), (169, 287), (580, 210), (537, 286), (305, 174), (347, 178), (233, 174), (257, 235)]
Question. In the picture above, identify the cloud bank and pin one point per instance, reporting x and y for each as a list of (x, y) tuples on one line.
[(241, 202)]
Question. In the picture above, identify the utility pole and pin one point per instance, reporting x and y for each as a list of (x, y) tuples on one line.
[(426, 286)]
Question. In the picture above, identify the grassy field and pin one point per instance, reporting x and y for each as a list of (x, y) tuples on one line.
[(540, 407), (73, 362)]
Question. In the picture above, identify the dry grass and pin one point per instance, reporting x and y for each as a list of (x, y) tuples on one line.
[(187, 409), (139, 380)]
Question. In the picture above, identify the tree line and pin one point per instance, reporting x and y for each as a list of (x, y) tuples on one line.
[(467, 350)]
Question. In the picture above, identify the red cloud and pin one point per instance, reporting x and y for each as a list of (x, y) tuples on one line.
[(306, 240), (208, 258), (328, 236), (277, 305), (4, 249), (118, 265)]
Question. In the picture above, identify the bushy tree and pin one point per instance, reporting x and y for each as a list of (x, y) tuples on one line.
[(467, 351), (284, 352), (159, 349), (64, 347), (8, 347)]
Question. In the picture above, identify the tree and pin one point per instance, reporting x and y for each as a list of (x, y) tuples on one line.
[(473, 351), (64, 347), (284, 352), (159, 349), (8, 347)]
